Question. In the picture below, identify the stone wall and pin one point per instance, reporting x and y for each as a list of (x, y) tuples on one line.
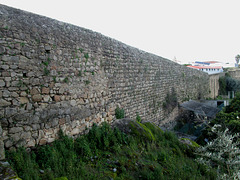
[(214, 84), (234, 73), (56, 75)]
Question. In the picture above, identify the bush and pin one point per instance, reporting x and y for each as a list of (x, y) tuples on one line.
[(223, 153), (106, 153), (119, 113), (138, 118)]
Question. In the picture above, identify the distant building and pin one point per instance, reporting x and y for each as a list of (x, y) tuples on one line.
[(213, 63), (208, 69)]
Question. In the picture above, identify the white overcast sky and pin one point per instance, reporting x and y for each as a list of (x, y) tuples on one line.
[(189, 30)]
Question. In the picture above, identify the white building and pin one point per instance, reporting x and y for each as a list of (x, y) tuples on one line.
[(208, 69)]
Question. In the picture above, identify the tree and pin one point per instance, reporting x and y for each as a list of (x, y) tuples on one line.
[(237, 58), (222, 153)]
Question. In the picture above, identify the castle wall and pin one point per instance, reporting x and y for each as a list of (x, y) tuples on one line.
[(55, 75)]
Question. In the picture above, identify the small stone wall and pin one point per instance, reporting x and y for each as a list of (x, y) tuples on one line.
[(234, 73), (54, 75)]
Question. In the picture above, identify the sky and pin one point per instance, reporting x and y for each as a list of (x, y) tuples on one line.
[(188, 30)]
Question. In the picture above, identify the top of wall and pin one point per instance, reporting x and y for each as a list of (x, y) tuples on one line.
[(65, 35)]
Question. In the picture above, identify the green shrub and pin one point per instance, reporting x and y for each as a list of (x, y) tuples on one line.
[(138, 118), (106, 153), (119, 113), (171, 101), (24, 163), (223, 152)]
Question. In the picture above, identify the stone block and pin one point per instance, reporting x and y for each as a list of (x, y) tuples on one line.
[(10, 112), (15, 137), (6, 93), (55, 122), (37, 98), (14, 130), (61, 121), (15, 95), (45, 90), (75, 131), (73, 103), (43, 141), (23, 100), (2, 150), (57, 98), (8, 143), (31, 143), (61, 90), (4, 103), (34, 91), (26, 135), (50, 140), (35, 126), (2, 83), (48, 132), (23, 94), (6, 74), (47, 98)]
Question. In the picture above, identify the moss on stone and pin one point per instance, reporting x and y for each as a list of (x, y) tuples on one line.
[(154, 129), (190, 142), (140, 130)]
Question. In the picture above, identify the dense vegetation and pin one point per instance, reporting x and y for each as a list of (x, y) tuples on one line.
[(226, 83), (222, 150), (222, 153), (229, 116), (106, 153)]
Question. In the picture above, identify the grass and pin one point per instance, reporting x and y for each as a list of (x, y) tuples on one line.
[(106, 153)]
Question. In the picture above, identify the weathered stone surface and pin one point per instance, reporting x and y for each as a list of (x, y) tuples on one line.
[(31, 143), (15, 95), (73, 103), (15, 130), (23, 93), (35, 126), (61, 121), (2, 83), (4, 103), (34, 91), (47, 98), (57, 98), (26, 135), (75, 131), (29, 106), (6, 93), (50, 140), (45, 90), (55, 122), (43, 141), (6, 74), (37, 98), (10, 112), (2, 49), (8, 144), (23, 100), (5, 67), (2, 150)]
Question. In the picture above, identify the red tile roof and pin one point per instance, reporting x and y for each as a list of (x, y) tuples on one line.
[(206, 67)]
